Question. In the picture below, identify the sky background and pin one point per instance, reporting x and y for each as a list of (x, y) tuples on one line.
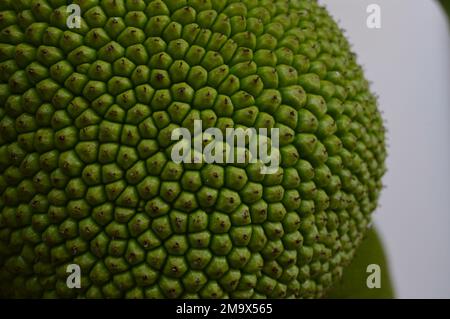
[(408, 61)]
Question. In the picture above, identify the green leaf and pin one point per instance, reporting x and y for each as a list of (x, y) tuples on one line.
[(354, 282)]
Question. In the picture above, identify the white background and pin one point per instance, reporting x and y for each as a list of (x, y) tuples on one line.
[(408, 61)]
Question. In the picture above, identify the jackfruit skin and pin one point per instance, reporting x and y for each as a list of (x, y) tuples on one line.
[(86, 175)]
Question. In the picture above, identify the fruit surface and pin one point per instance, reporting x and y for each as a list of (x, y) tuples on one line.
[(86, 172)]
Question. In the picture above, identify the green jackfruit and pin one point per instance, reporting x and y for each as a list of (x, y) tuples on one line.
[(87, 177)]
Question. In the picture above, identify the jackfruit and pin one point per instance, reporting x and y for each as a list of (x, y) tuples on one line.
[(88, 104)]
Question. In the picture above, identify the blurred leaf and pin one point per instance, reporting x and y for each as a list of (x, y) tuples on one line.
[(446, 5), (353, 284)]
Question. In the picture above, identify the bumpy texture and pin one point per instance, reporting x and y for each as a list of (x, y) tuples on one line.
[(86, 175)]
